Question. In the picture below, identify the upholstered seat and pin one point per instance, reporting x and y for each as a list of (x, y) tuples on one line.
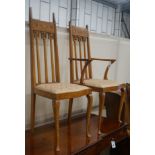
[(59, 88), (99, 83)]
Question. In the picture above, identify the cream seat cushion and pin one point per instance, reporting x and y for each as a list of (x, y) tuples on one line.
[(60, 88), (98, 83)]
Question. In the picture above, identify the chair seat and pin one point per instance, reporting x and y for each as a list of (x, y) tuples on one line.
[(99, 83), (61, 90)]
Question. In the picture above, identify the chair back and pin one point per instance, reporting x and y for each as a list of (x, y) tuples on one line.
[(44, 51), (79, 48)]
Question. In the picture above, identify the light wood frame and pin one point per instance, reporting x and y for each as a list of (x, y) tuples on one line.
[(41, 30), (78, 36)]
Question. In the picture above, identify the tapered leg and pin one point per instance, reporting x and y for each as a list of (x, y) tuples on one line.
[(101, 104), (70, 109), (56, 108), (122, 101), (89, 108), (33, 98)]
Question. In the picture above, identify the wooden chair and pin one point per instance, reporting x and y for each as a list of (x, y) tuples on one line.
[(81, 69), (44, 33)]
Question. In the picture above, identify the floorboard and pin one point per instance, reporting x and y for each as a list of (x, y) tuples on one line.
[(72, 137)]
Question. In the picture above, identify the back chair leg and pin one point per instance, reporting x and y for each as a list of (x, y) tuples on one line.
[(70, 110), (122, 101), (89, 108), (56, 108), (33, 98), (101, 104)]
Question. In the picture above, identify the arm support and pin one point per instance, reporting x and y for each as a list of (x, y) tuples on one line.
[(107, 69), (78, 59), (88, 61), (112, 60)]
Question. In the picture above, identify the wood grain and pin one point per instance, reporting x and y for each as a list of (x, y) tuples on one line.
[(45, 58), (48, 32), (73, 137), (52, 59), (78, 33), (38, 56)]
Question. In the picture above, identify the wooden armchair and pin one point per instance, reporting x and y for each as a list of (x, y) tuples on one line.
[(45, 33), (80, 55)]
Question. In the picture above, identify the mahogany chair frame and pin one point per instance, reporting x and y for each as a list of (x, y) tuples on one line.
[(79, 35), (41, 30)]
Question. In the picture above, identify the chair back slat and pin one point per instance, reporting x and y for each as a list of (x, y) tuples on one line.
[(44, 51), (76, 64), (89, 55), (37, 38), (45, 57), (79, 39), (80, 53), (56, 52), (85, 56), (72, 42), (52, 59)]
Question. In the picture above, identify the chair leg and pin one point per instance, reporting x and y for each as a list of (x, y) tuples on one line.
[(70, 109), (33, 98), (56, 108), (89, 108), (101, 104), (123, 95)]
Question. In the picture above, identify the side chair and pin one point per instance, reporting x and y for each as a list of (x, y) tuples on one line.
[(45, 33), (81, 69)]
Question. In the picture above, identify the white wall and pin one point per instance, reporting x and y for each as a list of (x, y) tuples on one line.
[(43, 9), (123, 61), (101, 46), (99, 17)]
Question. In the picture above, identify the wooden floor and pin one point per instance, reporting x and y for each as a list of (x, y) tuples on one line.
[(72, 137)]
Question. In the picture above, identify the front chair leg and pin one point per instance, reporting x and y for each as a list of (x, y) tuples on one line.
[(56, 108), (122, 101), (101, 104), (70, 109), (89, 108), (33, 98)]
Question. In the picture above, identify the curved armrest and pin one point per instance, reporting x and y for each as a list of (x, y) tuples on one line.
[(107, 69), (78, 59), (100, 59), (88, 61)]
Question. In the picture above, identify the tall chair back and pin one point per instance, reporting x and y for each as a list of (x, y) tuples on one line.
[(43, 40), (79, 48)]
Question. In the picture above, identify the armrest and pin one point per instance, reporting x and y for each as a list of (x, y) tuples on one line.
[(100, 59), (88, 61), (78, 59), (107, 69)]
